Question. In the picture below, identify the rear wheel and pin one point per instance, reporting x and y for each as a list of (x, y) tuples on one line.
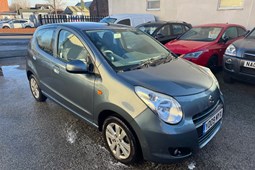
[(35, 89), (120, 140), (5, 27), (227, 78), (213, 63), (28, 27)]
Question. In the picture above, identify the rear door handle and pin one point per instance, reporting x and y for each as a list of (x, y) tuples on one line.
[(56, 69)]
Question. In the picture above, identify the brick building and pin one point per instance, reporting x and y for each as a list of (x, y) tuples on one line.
[(4, 6), (99, 8)]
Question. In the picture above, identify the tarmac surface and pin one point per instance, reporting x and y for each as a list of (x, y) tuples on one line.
[(46, 136), (12, 45)]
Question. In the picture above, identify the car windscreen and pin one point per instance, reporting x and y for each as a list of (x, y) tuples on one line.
[(149, 29), (125, 48), (108, 20), (251, 34), (201, 34)]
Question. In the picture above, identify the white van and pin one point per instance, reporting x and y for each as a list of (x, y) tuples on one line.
[(129, 19)]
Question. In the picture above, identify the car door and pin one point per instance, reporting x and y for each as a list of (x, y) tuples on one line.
[(74, 91), (232, 34), (17, 24), (164, 34), (42, 56)]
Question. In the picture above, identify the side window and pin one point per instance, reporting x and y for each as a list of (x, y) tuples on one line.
[(125, 22), (165, 30), (16, 21), (71, 48), (177, 29), (241, 31), (231, 33), (44, 39)]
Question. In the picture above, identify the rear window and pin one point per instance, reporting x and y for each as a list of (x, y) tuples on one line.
[(44, 40)]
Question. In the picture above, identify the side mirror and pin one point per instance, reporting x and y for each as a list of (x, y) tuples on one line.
[(77, 66), (159, 35), (225, 38)]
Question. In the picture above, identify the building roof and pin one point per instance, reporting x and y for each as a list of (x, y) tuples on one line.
[(86, 4), (76, 9), (4, 6)]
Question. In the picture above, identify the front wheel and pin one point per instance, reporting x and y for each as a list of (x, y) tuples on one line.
[(120, 140), (213, 63), (35, 89)]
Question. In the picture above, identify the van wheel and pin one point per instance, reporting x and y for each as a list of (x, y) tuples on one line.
[(227, 78), (36, 91), (120, 140), (213, 63)]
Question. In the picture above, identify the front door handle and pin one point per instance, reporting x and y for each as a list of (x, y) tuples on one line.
[(56, 69)]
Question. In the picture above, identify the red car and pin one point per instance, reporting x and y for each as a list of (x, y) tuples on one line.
[(206, 44)]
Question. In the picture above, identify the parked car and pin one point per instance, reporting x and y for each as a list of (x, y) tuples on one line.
[(129, 19), (239, 60), (148, 103), (21, 23), (206, 44), (164, 31)]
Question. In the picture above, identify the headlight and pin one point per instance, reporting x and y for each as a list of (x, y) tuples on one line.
[(209, 72), (193, 55), (166, 107), (231, 50)]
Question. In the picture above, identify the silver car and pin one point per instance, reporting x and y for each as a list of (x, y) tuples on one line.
[(16, 24)]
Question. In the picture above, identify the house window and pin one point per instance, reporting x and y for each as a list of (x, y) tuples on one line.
[(231, 4), (153, 4)]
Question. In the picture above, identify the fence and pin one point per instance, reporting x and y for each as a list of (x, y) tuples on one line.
[(60, 18)]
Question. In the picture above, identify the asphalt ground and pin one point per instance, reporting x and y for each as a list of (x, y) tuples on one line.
[(46, 136), (12, 45)]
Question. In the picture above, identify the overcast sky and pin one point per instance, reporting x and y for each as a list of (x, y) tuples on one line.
[(68, 2)]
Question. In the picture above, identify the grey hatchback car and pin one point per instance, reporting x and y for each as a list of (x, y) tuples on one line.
[(239, 60), (148, 103)]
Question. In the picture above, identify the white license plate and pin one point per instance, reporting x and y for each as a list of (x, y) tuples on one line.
[(249, 64), (212, 121)]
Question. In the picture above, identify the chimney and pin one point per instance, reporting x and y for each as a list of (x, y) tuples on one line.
[(4, 6)]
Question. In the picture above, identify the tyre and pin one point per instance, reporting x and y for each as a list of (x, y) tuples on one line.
[(227, 78), (28, 27), (213, 63), (36, 91), (120, 140), (5, 27)]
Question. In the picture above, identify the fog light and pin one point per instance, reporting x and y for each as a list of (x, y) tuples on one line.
[(229, 64)]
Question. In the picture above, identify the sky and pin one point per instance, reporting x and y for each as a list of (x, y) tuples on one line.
[(68, 2)]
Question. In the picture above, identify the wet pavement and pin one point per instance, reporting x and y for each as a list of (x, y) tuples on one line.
[(46, 136)]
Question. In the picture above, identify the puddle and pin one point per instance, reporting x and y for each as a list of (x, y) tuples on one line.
[(71, 134)]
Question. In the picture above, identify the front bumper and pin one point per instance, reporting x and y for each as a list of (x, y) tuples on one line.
[(234, 67), (165, 143)]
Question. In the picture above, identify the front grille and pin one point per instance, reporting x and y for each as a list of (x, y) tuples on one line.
[(200, 118), (246, 70), (249, 55)]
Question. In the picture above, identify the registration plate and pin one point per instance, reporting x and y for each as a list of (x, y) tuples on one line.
[(212, 121), (249, 64)]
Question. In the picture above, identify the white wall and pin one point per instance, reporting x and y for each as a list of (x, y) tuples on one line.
[(193, 11)]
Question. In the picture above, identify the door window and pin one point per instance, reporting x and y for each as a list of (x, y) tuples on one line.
[(241, 31), (231, 33), (125, 22), (44, 40), (177, 29), (71, 48), (164, 31)]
